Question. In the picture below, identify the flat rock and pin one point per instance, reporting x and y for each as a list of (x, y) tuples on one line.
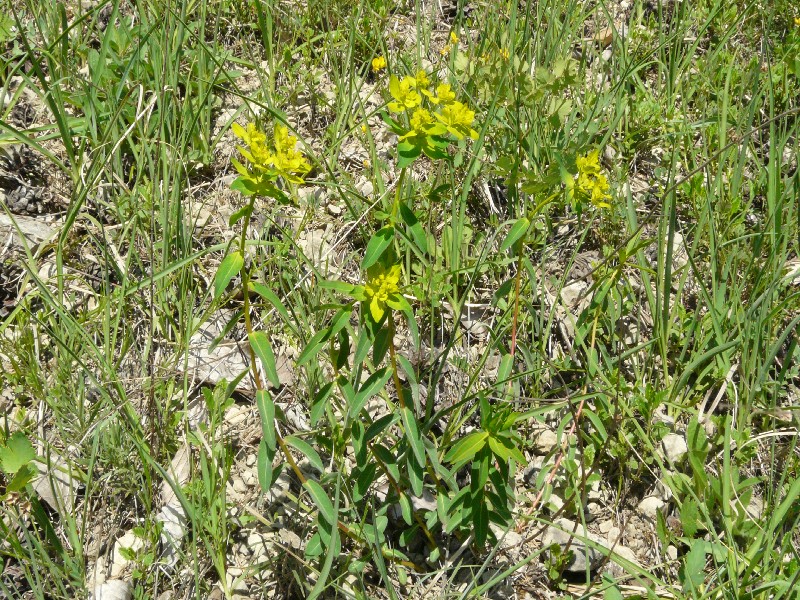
[(32, 230)]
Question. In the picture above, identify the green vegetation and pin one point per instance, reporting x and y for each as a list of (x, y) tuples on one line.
[(375, 299)]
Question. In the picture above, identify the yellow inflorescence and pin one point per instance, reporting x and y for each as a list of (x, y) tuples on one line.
[(404, 93), (380, 288), (378, 64), (450, 116), (591, 181), (282, 159)]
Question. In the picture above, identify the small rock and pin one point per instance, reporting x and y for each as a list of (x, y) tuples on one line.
[(544, 441), (239, 486), (562, 533), (613, 535), (366, 189), (672, 552), (626, 553), (335, 210), (113, 590), (650, 506), (605, 526), (674, 447), (606, 55), (290, 538), (251, 460), (572, 294)]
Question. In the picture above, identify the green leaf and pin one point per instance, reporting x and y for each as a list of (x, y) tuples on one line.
[(413, 435), (377, 245), (266, 408), (319, 339), (690, 517), (314, 345), (228, 269), (373, 385), (16, 453), (505, 449), (466, 448), (407, 153), (380, 425), (265, 473), (270, 296), (22, 477), (416, 475), (388, 459), (406, 509), (348, 289), (240, 214), (260, 345), (320, 403), (306, 450), (417, 232), (480, 519), (517, 231), (314, 546), (692, 572), (365, 477), (322, 501), (380, 346)]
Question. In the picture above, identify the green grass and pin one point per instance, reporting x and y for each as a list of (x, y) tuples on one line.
[(687, 320)]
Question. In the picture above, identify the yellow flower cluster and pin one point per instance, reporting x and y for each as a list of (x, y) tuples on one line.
[(378, 64), (382, 289), (280, 159), (451, 117), (591, 181)]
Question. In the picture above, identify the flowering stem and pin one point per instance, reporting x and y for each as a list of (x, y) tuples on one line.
[(248, 325)]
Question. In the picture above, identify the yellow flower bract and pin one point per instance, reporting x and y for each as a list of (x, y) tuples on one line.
[(381, 286), (404, 93), (458, 119)]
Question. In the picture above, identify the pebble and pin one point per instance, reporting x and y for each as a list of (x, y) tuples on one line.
[(674, 447), (251, 460), (650, 506), (239, 486), (113, 590), (544, 442), (613, 534)]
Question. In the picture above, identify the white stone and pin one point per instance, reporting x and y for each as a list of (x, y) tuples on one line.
[(113, 590), (674, 447), (650, 506), (672, 552)]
